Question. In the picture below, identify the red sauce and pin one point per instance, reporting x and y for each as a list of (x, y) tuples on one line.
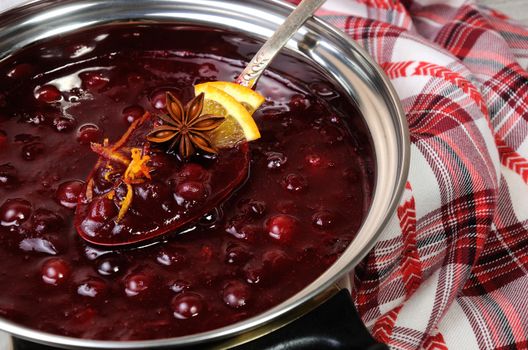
[(302, 203)]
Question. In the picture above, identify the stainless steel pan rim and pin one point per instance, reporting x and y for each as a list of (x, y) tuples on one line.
[(344, 60)]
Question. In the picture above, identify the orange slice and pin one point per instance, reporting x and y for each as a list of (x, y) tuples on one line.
[(250, 99), (239, 125)]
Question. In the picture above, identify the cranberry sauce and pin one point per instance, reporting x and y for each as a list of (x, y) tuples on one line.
[(304, 199)]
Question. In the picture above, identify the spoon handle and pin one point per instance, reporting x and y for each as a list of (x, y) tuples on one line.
[(284, 32)]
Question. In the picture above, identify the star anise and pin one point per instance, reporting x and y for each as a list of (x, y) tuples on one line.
[(186, 128)]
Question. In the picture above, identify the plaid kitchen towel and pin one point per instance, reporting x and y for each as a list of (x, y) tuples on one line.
[(451, 269)]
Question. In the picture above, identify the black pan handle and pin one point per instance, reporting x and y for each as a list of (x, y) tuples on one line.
[(333, 325)]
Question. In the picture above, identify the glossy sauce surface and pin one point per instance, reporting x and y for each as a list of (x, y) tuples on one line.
[(303, 201)]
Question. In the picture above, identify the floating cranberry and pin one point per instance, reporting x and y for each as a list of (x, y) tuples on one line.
[(282, 227), (132, 113), (14, 212), (237, 255), (194, 172), (68, 193), (21, 70), (55, 271), (294, 183), (211, 218), (8, 176), (323, 219), (187, 305), (275, 160), (110, 265), (158, 99), (235, 294), (190, 192), (33, 150), (92, 288), (88, 133), (48, 94), (94, 81), (45, 221), (102, 209), (137, 284), (63, 124)]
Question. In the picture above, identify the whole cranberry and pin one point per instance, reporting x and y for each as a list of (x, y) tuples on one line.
[(194, 172), (68, 193), (48, 94), (136, 284), (282, 227), (187, 305), (158, 99), (294, 183), (92, 288), (190, 191), (110, 265), (102, 209), (88, 133), (14, 211), (235, 294), (323, 219), (94, 81), (55, 271), (276, 160), (132, 113)]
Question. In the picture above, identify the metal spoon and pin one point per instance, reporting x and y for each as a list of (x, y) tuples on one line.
[(267, 52)]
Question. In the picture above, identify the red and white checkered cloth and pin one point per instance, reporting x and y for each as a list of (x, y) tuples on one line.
[(451, 269)]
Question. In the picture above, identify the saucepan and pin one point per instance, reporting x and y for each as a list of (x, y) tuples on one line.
[(321, 315)]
